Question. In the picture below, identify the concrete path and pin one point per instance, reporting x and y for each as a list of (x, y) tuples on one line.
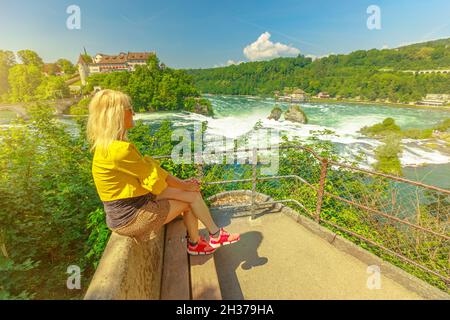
[(278, 258)]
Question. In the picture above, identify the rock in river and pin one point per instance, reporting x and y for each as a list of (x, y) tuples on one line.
[(295, 114), (275, 114)]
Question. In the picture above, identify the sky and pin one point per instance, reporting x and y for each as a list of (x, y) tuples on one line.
[(211, 33)]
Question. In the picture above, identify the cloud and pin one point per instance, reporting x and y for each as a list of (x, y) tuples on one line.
[(263, 49)]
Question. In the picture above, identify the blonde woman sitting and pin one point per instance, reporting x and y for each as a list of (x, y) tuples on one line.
[(139, 196)]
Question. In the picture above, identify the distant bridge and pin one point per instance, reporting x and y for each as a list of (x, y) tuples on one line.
[(60, 106), (428, 71)]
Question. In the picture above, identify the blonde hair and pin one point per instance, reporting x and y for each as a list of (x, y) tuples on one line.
[(106, 118)]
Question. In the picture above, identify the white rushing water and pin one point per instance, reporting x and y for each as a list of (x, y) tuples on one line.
[(237, 116)]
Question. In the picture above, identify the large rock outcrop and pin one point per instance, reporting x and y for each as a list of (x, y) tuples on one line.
[(295, 114), (275, 114)]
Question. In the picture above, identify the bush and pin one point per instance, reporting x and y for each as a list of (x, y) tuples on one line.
[(387, 156), (418, 133), (443, 126), (46, 194), (387, 127), (81, 108)]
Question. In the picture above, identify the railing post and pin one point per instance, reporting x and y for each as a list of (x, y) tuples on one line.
[(254, 163), (323, 175), (200, 172)]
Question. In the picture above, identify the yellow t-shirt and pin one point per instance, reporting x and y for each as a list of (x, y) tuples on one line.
[(124, 173)]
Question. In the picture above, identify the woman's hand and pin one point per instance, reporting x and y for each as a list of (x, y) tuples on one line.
[(192, 184)]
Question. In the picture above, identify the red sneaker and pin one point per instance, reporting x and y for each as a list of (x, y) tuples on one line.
[(223, 239), (201, 248)]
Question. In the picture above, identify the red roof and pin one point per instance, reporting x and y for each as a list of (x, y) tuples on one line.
[(139, 55), (119, 59), (122, 58)]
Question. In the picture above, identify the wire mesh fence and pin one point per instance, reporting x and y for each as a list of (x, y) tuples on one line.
[(405, 222)]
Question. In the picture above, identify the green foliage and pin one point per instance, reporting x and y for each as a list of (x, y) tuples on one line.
[(81, 108), (358, 74), (50, 214), (277, 109), (387, 127), (7, 60), (8, 266), (52, 87), (24, 80), (98, 237), (29, 57), (152, 140), (387, 156), (258, 125), (443, 126), (66, 66), (417, 133), (46, 192)]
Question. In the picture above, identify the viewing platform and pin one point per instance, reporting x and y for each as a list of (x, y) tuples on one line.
[(281, 255)]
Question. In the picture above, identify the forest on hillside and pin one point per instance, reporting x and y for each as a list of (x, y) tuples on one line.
[(367, 74)]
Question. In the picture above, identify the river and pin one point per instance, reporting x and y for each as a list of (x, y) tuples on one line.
[(236, 116)]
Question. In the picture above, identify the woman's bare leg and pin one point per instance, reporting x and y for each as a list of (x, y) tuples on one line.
[(190, 220), (191, 223), (176, 208), (195, 200)]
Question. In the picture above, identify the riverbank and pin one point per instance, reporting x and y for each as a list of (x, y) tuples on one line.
[(388, 104)]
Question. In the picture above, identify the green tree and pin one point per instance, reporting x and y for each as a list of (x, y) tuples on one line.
[(47, 193), (167, 97), (387, 155), (66, 66), (30, 57), (81, 108), (24, 80), (7, 60), (53, 87)]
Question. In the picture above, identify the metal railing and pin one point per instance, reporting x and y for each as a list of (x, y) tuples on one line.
[(381, 211)]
